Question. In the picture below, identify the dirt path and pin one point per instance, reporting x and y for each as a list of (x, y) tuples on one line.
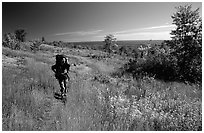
[(79, 111), (48, 113), (95, 66)]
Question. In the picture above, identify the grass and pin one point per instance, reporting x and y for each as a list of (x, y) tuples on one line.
[(152, 105), (29, 97), (19, 102), (95, 101)]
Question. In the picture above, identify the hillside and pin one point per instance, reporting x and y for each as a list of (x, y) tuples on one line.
[(96, 101)]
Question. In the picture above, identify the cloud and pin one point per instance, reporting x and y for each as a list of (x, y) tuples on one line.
[(159, 27), (161, 35), (154, 32), (79, 33), (158, 35), (144, 29), (143, 33)]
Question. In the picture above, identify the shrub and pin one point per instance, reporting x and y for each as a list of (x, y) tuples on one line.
[(11, 41), (35, 46), (158, 63)]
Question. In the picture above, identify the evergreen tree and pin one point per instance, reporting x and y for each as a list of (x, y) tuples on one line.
[(20, 35), (187, 38), (110, 41)]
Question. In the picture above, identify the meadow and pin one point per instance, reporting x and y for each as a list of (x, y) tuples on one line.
[(156, 87), (97, 100)]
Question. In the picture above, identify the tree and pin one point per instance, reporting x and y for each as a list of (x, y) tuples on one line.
[(11, 41), (187, 38), (43, 39), (20, 35), (110, 41)]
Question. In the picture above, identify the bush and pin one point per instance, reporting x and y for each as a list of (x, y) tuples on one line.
[(158, 63), (162, 64), (35, 46), (11, 41)]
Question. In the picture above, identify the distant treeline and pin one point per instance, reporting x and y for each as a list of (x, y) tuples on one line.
[(99, 45)]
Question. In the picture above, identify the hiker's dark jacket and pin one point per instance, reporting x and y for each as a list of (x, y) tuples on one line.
[(61, 71)]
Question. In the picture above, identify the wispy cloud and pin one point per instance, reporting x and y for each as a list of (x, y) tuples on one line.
[(159, 27), (159, 35), (161, 32), (142, 35), (144, 29), (79, 33)]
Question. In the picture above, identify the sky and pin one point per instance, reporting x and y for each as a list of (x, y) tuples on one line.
[(88, 21)]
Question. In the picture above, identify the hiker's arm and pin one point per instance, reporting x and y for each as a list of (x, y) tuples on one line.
[(53, 68)]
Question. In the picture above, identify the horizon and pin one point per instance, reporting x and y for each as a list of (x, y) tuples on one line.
[(89, 21), (116, 41)]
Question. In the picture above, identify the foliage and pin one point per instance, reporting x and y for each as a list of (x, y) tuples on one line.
[(158, 63), (187, 46), (122, 50), (109, 42), (20, 35), (11, 41), (35, 46), (176, 59)]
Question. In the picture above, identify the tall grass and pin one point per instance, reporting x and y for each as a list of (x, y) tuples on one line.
[(19, 102), (152, 105), (41, 75), (16, 102), (96, 102), (28, 102)]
